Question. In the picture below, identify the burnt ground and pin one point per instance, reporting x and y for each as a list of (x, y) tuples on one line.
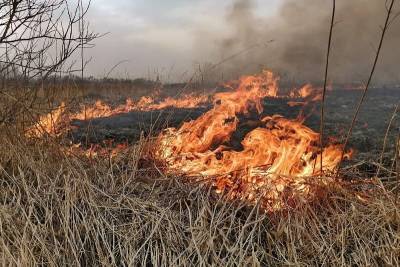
[(367, 139)]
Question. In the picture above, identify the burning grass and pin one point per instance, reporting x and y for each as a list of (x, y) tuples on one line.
[(57, 210), (190, 197), (57, 122), (278, 157)]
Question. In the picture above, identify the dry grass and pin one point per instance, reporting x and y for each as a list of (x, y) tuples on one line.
[(62, 210)]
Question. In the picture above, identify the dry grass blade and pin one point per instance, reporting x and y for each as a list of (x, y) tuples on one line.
[(397, 158), (378, 52), (321, 140), (385, 139), (59, 210)]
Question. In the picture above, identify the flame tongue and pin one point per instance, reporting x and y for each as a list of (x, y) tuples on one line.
[(281, 147), (217, 125), (279, 153)]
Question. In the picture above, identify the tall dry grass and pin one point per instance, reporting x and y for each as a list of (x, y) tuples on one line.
[(58, 209)]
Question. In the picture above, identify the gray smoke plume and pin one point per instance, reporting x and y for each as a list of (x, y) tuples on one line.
[(294, 42)]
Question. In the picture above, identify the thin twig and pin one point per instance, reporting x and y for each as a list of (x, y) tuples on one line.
[(325, 81), (397, 158), (384, 30), (385, 139)]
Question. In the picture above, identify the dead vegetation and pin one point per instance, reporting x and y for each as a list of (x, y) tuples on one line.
[(60, 210)]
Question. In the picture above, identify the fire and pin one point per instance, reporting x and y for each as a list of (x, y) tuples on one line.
[(186, 101), (275, 161), (308, 93), (107, 150), (303, 92), (48, 123), (58, 121), (277, 155)]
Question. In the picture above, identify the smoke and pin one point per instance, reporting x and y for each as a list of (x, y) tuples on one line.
[(294, 41)]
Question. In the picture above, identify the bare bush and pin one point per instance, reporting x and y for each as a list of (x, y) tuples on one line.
[(38, 38)]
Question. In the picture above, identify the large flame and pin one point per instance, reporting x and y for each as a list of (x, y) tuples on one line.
[(240, 152), (277, 155)]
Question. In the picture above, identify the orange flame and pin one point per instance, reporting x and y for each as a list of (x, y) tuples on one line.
[(308, 93), (58, 121), (52, 122), (276, 160), (277, 155)]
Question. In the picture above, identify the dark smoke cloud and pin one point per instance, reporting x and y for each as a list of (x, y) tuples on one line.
[(300, 32)]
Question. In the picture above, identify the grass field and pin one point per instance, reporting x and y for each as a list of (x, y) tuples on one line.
[(245, 183), (58, 209)]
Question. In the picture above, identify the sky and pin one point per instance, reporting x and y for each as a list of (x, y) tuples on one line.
[(145, 37)]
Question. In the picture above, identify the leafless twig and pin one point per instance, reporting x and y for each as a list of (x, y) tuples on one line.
[(326, 80), (38, 39), (357, 111)]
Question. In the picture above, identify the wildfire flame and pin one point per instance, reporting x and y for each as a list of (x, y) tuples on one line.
[(276, 156), (58, 121), (276, 160)]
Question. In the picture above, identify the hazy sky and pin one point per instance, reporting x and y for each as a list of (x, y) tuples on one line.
[(156, 35)]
